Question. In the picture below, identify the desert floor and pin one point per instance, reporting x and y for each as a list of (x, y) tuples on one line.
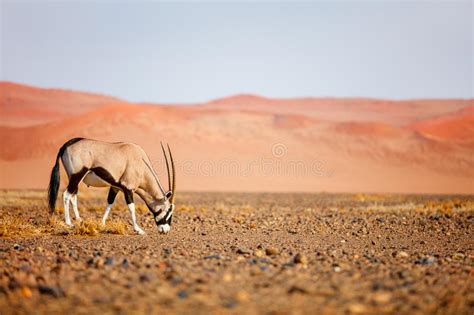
[(241, 253)]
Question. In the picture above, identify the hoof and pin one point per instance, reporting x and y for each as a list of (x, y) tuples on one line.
[(140, 231)]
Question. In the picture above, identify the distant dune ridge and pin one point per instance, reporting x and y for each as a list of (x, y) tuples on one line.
[(253, 143)]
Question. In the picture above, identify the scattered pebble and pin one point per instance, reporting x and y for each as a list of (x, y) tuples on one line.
[(382, 297), (26, 292), (182, 294), (300, 259), (427, 260), (243, 251), (271, 251), (125, 263), (402, 254), (109, 261), (357, 308), (51, 290)]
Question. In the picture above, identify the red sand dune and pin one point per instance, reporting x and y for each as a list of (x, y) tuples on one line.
[(251, 143), (455, 127), (23, 105)]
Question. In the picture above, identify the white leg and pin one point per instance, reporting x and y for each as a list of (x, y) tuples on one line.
[(106, 214), (137, 229), (66, 199), (74, 207)]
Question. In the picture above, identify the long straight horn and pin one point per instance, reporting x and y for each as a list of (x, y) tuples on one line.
[(167, 166), (173, 189)]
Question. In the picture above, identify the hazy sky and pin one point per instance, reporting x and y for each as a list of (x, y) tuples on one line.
[(191, 52)]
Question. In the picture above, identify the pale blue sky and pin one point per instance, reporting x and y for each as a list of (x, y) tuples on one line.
[(192, 52)]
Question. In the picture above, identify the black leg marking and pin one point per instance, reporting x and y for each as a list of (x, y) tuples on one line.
[(112, 194), (128, 196), (103, 174), (75, 179)]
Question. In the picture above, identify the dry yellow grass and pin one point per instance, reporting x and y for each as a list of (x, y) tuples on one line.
[(93, 227), (16, 226), (115, 227)]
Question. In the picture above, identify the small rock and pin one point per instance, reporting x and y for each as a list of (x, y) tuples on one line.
[(402, 254), (95, 262), (167, 251), (243, 251), (182, 294), (26, 292), (109, 261), (258, 253), (231, 303), (300, 259), (427, 260), (17, 247), (337, 269), (242, 296), (144, 278), (458, 256), (51, 290), (297, 289), (227, 277), (216, 256), (125, 263), (382, 297), (357, 308), (270, 251), (403, 274)]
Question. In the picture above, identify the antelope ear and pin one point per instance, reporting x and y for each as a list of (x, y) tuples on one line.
[(168, 195)]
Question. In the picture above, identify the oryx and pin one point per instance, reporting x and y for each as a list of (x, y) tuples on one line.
[(120, 166)]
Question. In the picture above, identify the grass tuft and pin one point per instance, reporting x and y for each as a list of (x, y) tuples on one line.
[(16, 226), (115, 227), (88, 227)]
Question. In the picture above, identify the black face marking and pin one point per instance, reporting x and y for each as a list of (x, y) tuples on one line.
[(166, 219), (75, 179)]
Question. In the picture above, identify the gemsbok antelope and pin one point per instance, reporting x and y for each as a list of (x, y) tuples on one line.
[(120, 166)]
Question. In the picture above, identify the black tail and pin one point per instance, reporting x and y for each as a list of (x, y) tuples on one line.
[(53, 187)]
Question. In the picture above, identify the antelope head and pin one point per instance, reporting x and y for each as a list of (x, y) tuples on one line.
[(164, 214)]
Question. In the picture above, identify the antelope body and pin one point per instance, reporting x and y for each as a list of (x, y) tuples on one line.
[(120, 166)]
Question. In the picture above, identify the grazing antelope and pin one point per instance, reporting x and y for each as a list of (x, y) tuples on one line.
[(120, 166)]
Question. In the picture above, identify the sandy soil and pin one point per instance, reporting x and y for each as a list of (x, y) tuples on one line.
[(242, 253)]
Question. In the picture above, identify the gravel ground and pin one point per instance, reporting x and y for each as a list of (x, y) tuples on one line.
[(242, 253)]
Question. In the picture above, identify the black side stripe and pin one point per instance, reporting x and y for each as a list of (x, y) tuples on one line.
[(103, 174)]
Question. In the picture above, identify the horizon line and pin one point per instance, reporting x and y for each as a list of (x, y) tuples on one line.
[(235, 95)]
